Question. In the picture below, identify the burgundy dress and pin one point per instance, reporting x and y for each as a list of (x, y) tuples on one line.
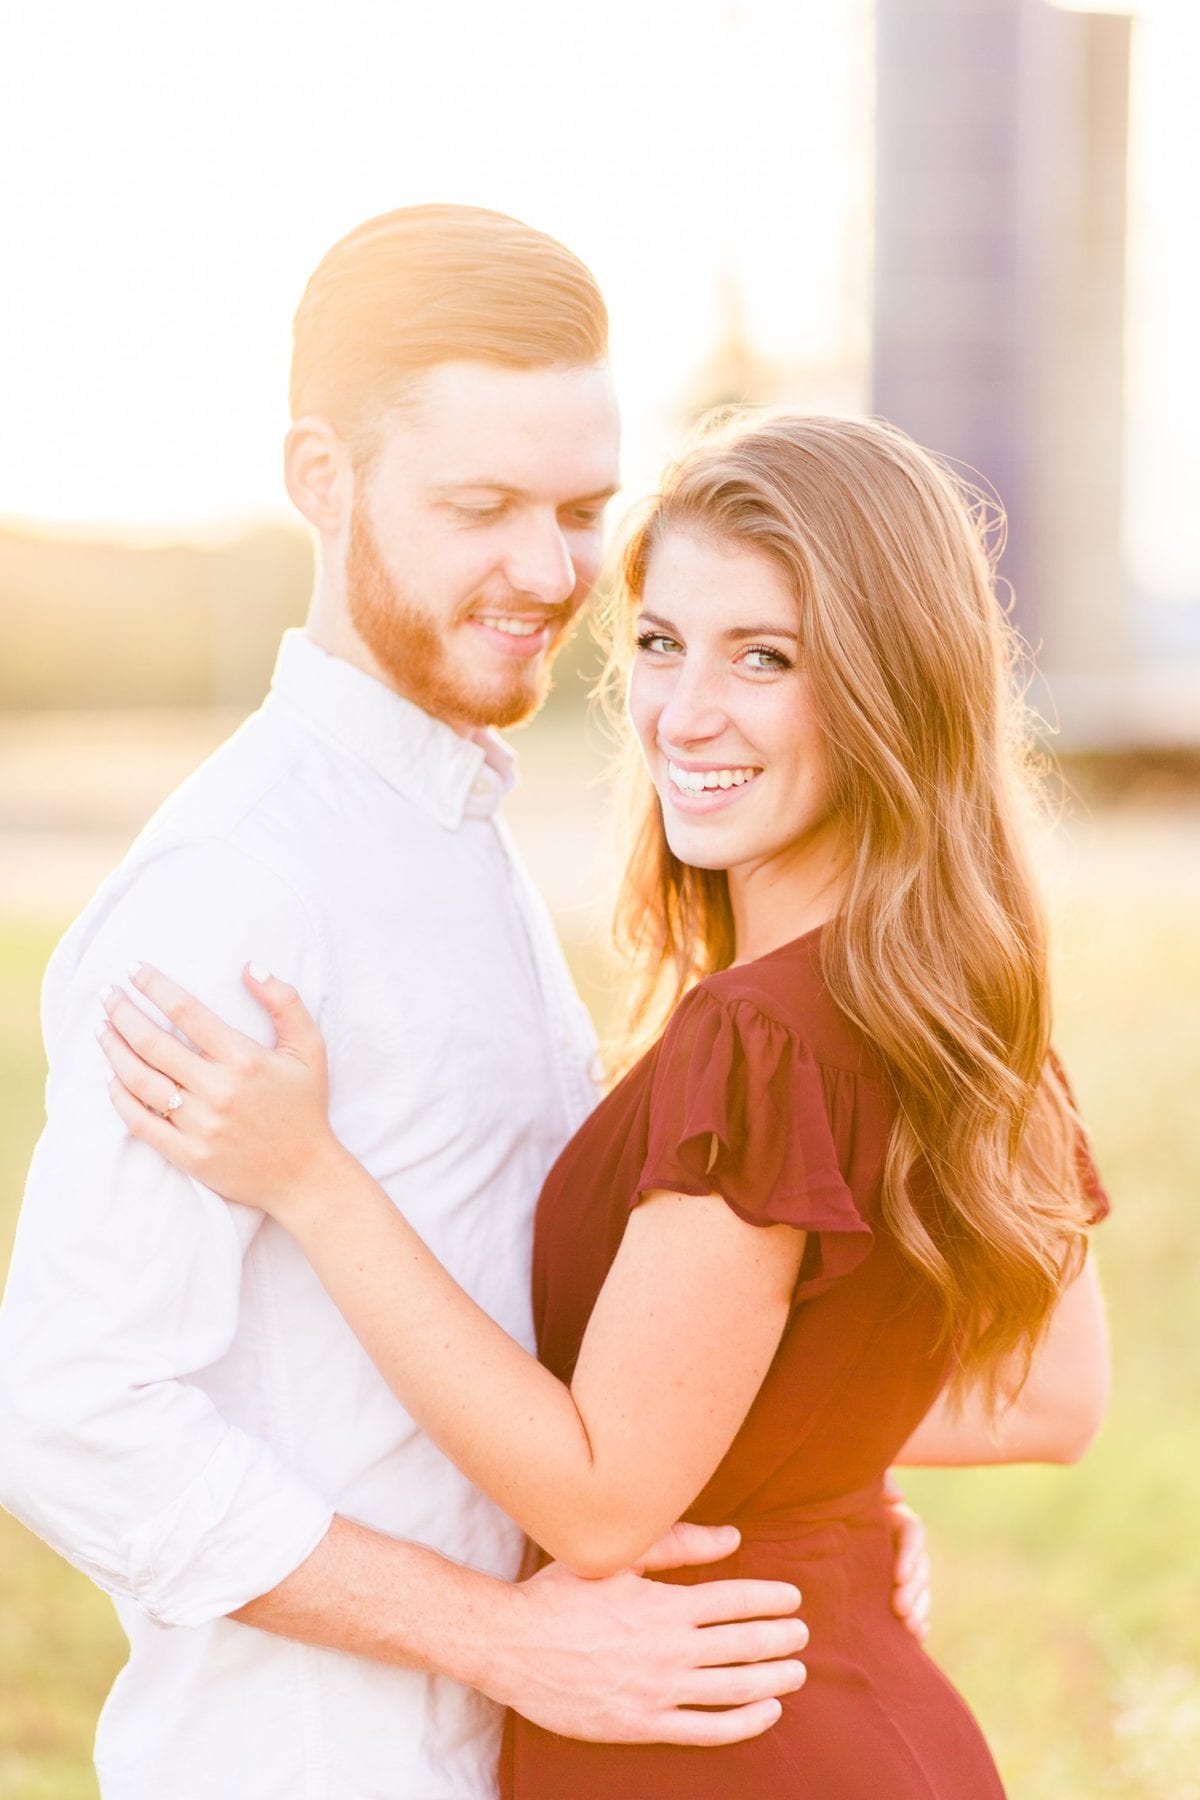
[(761, 1058)]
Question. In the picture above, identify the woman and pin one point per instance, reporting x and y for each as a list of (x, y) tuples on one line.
[(836, 1213)]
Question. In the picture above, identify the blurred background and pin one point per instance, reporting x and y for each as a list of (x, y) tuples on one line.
[(975, 217)]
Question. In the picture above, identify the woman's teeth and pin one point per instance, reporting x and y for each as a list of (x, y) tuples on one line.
[(697, 781), (514, 627)]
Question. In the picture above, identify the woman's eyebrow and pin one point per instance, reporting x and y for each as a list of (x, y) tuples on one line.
[(735, 633), (649, 618), (745, 631)]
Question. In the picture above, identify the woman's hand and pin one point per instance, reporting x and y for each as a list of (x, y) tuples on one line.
[(249, 1122), (911, 1578)]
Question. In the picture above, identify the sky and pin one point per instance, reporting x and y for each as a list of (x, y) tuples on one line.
[(174, 171)]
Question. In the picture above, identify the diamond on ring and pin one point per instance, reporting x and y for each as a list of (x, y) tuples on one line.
[(174, 1103)]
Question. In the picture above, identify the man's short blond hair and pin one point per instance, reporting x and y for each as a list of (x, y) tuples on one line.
[(432, 284)]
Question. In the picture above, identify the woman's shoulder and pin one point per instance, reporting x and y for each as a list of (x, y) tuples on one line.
[(786, 991), (741, 1102)]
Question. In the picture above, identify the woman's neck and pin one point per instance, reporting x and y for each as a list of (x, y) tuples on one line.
[(784, 898)]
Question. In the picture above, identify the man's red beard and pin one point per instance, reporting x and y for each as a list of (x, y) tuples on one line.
[(409, 647)]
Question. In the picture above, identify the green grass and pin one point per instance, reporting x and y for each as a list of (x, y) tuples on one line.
[(1064, 1599), (60, 1644)]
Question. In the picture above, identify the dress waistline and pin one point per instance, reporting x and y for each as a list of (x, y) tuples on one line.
[(862, 1504)]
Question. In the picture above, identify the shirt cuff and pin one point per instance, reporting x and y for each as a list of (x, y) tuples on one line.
[(242, 1525)]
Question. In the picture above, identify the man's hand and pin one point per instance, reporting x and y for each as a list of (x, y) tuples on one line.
[(621, 1660), (911, 1596)]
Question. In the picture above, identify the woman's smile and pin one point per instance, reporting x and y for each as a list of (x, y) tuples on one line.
[(709, 787)]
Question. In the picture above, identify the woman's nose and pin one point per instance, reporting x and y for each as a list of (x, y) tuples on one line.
[(693, 711)]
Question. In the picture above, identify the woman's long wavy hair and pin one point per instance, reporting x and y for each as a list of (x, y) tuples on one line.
[(938, 952)]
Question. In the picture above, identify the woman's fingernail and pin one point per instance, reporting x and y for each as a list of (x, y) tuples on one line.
[(135, 970), (100, 1029), (108, 995), (258, 973)]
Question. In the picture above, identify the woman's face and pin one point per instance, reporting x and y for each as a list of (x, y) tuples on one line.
[(723, 709)]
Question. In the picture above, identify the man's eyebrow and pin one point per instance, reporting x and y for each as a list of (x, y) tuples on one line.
[(483, 485), (735, 632)]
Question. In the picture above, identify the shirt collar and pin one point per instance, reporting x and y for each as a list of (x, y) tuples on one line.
[(448, 775)]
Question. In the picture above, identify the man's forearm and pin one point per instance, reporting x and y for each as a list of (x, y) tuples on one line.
[(623, 1660), (392, 1601)]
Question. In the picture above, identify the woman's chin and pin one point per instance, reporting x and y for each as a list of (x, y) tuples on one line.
[(691, 849)]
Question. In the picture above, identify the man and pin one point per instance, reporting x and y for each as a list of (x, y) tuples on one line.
[(185, 1415)]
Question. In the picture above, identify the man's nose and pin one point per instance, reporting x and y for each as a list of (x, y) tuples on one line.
[(540, 564)]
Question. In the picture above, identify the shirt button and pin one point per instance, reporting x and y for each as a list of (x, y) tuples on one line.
[(481, 787)]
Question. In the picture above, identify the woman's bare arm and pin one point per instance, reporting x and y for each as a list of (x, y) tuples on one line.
[(676, 1349), (1055, 1415), (677, 1346)]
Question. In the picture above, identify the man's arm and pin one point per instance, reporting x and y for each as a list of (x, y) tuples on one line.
[(624, 1660), (126, 1283)]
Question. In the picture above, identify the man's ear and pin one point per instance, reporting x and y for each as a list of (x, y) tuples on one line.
[(318, 474)]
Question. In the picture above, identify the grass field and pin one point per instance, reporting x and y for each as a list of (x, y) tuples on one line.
[(1065, 1599), (59, 1641)]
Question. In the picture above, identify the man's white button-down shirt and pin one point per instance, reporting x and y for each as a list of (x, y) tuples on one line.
[(182, 1409)]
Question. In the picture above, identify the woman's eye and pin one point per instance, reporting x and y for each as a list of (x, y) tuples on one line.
[(657, 642), (761, 657)]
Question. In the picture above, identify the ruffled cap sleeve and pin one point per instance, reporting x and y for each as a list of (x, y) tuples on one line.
[(737, 1108)]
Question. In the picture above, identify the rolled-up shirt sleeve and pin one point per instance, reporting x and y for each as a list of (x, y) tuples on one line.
[(126, 1276)]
